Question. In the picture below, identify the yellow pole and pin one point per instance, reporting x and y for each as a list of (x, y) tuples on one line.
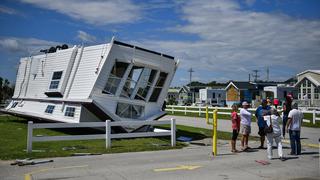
[(207, 115), (214, 133)]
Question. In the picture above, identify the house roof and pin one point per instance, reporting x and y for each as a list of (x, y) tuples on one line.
[(242, 85), (310, 78), (314, 71)]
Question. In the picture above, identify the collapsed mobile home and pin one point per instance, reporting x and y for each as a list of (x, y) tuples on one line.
[(116, 81)]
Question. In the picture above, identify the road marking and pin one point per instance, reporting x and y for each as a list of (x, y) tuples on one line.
[(28, 176), (304, 144), (183, 167)]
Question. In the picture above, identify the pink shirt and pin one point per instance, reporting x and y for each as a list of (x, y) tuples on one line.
[(235, 120), (275, 101)]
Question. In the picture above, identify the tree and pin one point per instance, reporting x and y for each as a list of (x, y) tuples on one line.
[(6, 91)]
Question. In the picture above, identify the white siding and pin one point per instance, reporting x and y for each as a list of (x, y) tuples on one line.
[(86, 74), (37, 84), (38, 109)]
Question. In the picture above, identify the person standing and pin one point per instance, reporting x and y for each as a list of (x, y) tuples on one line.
[(295, 118), (245, 124), (274, 121), (261, 111), (235, 118), (286, 109), (276, 102)]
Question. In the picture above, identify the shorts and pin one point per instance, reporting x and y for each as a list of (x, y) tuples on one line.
[(235, 134), (245, 129), (261, 131)]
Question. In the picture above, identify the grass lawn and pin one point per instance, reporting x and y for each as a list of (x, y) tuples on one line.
[(13, 140)]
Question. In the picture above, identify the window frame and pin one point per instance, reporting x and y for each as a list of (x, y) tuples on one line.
[(67, 113), (55, 82), (49, 111)]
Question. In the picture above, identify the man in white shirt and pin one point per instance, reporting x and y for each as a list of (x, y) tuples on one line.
[(245, 125), (295, 118)]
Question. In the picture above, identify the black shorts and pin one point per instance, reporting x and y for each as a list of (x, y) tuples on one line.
[(261, 131), (235, 134)]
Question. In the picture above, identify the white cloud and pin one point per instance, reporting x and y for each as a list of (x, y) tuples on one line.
[(231, 40), (94, 11), (85, 37), (7, 10), (24, 46)]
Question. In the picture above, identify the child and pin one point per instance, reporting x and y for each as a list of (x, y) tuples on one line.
[(235, 118)]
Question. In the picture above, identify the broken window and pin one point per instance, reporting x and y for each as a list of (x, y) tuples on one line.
[(56, 77), (115, 77), (129, 111), (159, 85), (131, 82), (145, 83)]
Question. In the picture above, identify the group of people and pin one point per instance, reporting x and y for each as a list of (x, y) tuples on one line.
[(268, 120)]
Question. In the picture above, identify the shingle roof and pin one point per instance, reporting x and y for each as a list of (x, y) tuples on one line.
[(243, 85)]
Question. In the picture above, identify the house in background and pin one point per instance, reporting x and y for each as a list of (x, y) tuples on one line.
[(280, 91), (238, 91), (308, 86), (214, 97), (173, 96)]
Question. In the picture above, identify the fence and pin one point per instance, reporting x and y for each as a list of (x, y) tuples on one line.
[(202, 110), (107, 136)]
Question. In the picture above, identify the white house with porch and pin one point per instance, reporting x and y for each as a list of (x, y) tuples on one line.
[(308, 86)]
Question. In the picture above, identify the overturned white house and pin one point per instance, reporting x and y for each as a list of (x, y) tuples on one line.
[(115, 81)]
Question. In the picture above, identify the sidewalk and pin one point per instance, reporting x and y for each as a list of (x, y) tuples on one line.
[(309, 136)]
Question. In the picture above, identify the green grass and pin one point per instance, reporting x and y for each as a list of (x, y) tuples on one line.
[(13, 140)]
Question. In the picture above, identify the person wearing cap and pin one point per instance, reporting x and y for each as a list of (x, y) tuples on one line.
[(261, 111), (245, 125), (274, 121), (293, 126)]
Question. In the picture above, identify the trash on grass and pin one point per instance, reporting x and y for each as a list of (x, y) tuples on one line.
[(184, 139)]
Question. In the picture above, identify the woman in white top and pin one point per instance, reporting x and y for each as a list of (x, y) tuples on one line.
[(245, 125), (276, 134)]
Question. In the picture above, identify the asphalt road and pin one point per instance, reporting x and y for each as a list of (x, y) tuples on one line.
[(193, 162)]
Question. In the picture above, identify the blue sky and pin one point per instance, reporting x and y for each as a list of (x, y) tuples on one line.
[(220, 39)]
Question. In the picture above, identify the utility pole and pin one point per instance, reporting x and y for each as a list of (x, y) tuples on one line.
[(191, 71), (255, 75), (267, 74)]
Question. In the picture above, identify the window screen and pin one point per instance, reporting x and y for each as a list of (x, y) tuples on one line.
[(115, 77), (159, 85), (131, 82), (56, 77), (145, 82), (130, 111)]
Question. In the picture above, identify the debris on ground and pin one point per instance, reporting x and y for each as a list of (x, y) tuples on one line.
[(184, 139), (28, 161), (263, 162), (86, 154), (68, 148)]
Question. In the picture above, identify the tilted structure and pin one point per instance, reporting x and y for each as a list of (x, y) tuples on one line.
[(115, 81)]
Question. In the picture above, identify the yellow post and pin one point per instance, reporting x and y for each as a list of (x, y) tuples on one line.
[(207, 115), (214, 133)]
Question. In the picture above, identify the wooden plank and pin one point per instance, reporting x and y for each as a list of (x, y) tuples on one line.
[(136, 135), (69, 125), (68, 138)]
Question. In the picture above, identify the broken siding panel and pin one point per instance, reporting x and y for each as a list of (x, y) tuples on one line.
[(20, 78), (86, 75)]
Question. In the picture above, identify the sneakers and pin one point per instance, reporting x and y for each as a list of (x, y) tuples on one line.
[(282, 159)]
